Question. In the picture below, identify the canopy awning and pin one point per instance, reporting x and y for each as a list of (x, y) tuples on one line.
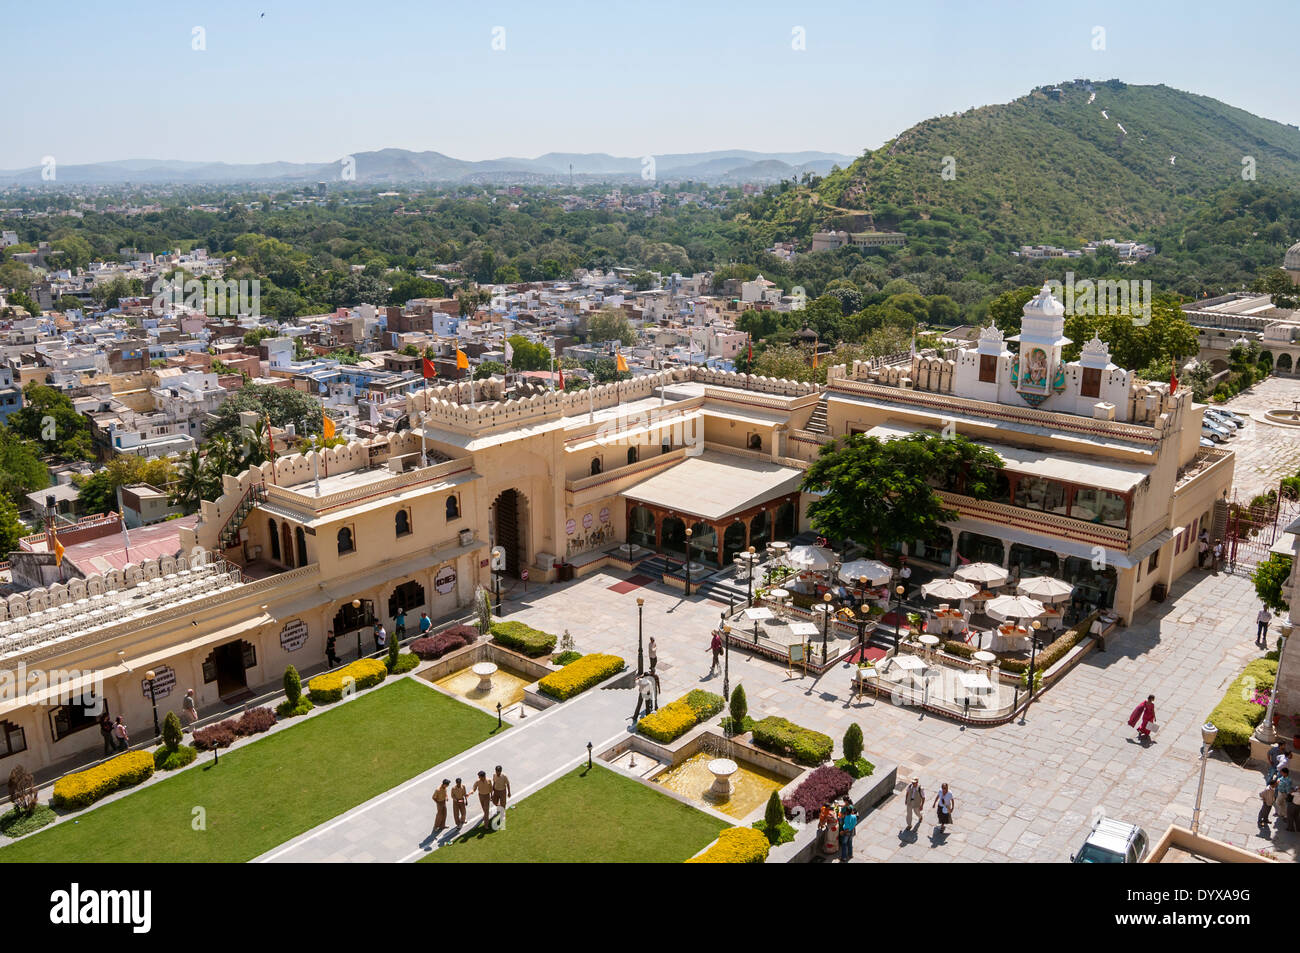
[(716, 485)]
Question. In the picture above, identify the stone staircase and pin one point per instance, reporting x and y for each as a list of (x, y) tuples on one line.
[(817, 422), (229, 534)]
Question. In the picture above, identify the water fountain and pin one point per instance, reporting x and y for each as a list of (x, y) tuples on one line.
[(484, 671), (722, 769), (484, 684), (718, 776)]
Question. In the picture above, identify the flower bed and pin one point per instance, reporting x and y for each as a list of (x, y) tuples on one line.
[(523, 638), (579, 676), (1238, 714), (363, 673), (223, 733), (736, 845), (821, 786), (430, 647), (786, 738), (87, 787), (678, 717)]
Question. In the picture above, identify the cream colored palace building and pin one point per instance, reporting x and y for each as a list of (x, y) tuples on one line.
[(1105, 484)]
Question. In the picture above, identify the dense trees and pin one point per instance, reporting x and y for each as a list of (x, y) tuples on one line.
[(283, 405), (609, 324), (48, 420), (98, 493)]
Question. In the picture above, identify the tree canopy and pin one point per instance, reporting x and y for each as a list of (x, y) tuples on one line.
[(284, 405), (48, 419)]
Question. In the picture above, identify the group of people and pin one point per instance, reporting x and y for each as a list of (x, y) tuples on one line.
[(1280, 794), (117, 738), (836, 825), (1207, 553), (914, 800), (493, 791), (381, 636)]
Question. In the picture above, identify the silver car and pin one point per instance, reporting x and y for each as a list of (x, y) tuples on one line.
[(1113, 842)]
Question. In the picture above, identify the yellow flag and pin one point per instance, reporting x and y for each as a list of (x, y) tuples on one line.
[(329, 428), (814, 359), (620, 363), (462, 362), (57, 546)]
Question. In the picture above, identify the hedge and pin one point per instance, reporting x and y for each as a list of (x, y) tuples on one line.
[(435, 646), (169, 759), (578, 676), (736, 845), (1054, 651), (786, 738), (565, 658), (821, 786), (1236, 716), (87, 787), (328, 686), (405, 662), (523, 638), (223, 733), (678, 717)]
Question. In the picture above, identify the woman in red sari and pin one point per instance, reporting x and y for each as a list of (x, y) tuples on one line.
[(1143, 715)]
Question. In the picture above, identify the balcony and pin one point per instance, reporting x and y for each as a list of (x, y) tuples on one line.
[(1038, 521)]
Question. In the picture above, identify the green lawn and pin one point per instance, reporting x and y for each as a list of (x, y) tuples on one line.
[(588, 816), (261, 795)]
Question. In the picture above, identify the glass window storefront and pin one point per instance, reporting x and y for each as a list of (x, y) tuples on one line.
[(980, 549), (1093, 588), (1034, 493), (642, 530), (1099, 506), (938, 549), (1033, 561)]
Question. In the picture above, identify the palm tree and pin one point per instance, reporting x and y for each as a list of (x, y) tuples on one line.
[(188, 489)]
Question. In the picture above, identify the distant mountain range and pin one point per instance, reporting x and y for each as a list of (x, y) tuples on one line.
[(398, 166)]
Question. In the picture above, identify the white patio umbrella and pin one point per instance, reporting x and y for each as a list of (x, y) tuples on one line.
[(985, 574), (950, 589), (811, 557), (1046, 588), (877, 573), (1014, 607)]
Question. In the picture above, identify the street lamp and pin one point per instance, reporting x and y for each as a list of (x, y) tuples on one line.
[(640, 652), (750, 561), (862, 618), (149, 677), (1208, 733), (726, 660), (898, 614), (826, 622), (688, 560), (356, 605), (1033, 657)]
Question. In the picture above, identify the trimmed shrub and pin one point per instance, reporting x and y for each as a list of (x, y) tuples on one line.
[(565, 658), (739, 707), (169, 759), (523, 638), (1053, 652), (580, 675), (678, 717), (851, 746), (774, 814), (220, 735), (861, 768), (736, 845), (776, 834), (16, 823), (87, 787), (292, 686), (22, 789), (405, 662), (786, 738), (172, 733), (394, 649), (435, 646), (287, 709), (819, 787), (254, 721), (363, 673), (1236, 716)]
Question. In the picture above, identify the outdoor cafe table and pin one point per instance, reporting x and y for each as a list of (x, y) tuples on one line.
[(779, 596), (975, 683), (912, 665), (929, 641), (946, 618), (985, 658), (805, 629)]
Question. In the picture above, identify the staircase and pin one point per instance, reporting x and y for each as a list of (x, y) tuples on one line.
[(817, 422), (229, 534)]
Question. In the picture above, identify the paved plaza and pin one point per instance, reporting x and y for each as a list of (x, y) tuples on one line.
[(1266, 452)]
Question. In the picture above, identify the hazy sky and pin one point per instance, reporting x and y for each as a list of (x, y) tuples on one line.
[(312, 81)]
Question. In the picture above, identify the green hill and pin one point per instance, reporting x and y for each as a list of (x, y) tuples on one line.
[(1050, 167)]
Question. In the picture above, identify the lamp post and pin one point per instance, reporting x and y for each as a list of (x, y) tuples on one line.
[(826, 622), (688, 560), (149, 677), (751, 559), (726, 660), (898, 614), (588, 754), (356, 605), (1033, 657), (640, 652), (862, 618), (1208, 733)]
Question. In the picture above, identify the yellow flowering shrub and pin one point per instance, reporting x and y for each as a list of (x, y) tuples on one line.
[(328, 686), (676, 718), (736, 845), (578, 676), (86, 787)]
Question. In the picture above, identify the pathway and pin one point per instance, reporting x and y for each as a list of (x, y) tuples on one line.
[(397, 825)]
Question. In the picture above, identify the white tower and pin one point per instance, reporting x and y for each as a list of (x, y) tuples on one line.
[(1037, 372)]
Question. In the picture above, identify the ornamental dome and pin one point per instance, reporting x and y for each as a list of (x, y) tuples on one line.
[(1292, 260)]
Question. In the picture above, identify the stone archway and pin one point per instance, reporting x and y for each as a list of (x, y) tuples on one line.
[(1284, 363), (509, 520)]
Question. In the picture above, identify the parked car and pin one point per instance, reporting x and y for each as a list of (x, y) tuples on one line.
[(1207, 442), (1223, 431), (1212, 433), (1237, 419), (1113, 842), (1219, 417)]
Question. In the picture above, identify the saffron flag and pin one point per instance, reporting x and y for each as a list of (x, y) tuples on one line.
[(328, 430), (749, 340), (1173, 377), (429, 369), (58, 547), (561, 373), (462, 361), (620, 364), (814, 357)]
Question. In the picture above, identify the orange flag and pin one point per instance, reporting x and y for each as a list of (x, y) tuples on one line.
[(462, 362), (328, 430), (620, 364)]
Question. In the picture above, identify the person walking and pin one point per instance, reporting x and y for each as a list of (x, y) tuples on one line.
[(654, 654), (914, 800), (381, 637), (1218, 555), (189, 711), (1293, 811), (1268, 796), (106, 730), (459, 801), (1284, 788), (500, 788), (1274, 753), (120, 736), (944, 803), (848, 823), (440, 802), (399, 624), (1202, 549), (425, 623), (645, 695), (715, 646), (483, 788), (1261, 626), (1142, 718)]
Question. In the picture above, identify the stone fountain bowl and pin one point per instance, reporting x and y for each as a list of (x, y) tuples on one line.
[(722, 769), (1285, 418)]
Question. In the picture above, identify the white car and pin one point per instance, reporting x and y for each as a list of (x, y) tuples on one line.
[(1212, 433), (1219, 417), (1113, 842)]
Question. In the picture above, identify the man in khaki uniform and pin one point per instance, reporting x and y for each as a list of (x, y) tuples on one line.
[(459, 801), (440, 802), (914, 799), (500, 788), (483, 788)]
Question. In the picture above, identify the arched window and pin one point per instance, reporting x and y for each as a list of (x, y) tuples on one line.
[(755, 441), (631, 454), (402, 523), (346, 544), (301, 538), (274, 533), (595, 465), (453, 507)]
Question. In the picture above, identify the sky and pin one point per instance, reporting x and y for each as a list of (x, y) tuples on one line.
[(271, 80)]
